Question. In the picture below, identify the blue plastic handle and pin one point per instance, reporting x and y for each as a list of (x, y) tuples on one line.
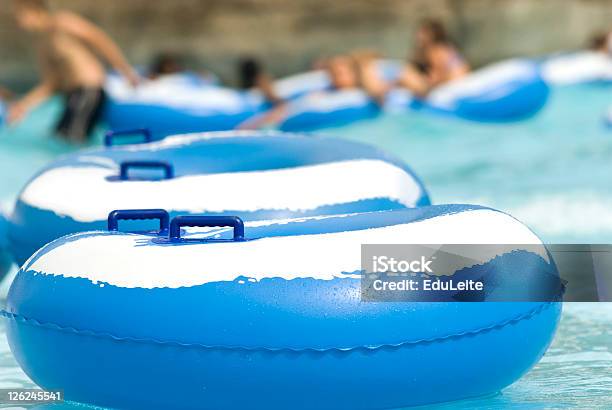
[(124, 167), (138, 214), (110, 135), (204, 221)]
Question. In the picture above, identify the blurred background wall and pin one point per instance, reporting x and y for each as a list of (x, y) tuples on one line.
[(289, 34)]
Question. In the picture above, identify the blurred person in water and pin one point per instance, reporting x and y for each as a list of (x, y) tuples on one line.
[(343, 75), (436, 60), (69, 50)]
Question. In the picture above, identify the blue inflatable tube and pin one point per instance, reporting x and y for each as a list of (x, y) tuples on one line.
[(508, 91), (271, 311), (259, 175), (299, 85), (180, 103), (174, 105), (583, 67), (6, 261), (328, 109), (164, 120)]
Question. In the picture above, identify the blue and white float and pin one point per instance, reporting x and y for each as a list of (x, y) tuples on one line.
[(270, 314), (182, 103), (6, 260), (578, 68), (506, 91), (299, 85), (258, 175), (174, 105)]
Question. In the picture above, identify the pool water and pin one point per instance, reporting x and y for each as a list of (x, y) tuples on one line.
[(553, 172), (28, 146)]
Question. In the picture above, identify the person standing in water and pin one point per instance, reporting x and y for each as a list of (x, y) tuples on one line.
[(69, 50), (436, 60)]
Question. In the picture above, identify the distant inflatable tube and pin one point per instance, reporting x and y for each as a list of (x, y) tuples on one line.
[(6, 261), (329, 109), (270, 315), (164, 120), (508, 91), (578, 68), (116, 84), (259, 175), (184, 103), (298, 85), (174, 106)]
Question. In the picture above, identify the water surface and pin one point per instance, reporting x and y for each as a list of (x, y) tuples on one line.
[(553, 172)]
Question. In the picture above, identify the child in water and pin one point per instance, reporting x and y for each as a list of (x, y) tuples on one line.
[(68, 47)]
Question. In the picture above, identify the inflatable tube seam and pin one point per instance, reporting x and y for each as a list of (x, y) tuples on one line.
[(392, 346)]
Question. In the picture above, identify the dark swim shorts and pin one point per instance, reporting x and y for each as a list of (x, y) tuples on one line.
[(83, 107)]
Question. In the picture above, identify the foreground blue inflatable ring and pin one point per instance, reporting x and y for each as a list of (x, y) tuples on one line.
[(269, 315), (253, 174)]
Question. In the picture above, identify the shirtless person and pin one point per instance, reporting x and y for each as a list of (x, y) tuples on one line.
[(69, 49)]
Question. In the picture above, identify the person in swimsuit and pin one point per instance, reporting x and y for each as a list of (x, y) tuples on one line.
[(68, 47), (436, 60)]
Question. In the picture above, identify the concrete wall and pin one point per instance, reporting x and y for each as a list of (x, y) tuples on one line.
[(289, 34)]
